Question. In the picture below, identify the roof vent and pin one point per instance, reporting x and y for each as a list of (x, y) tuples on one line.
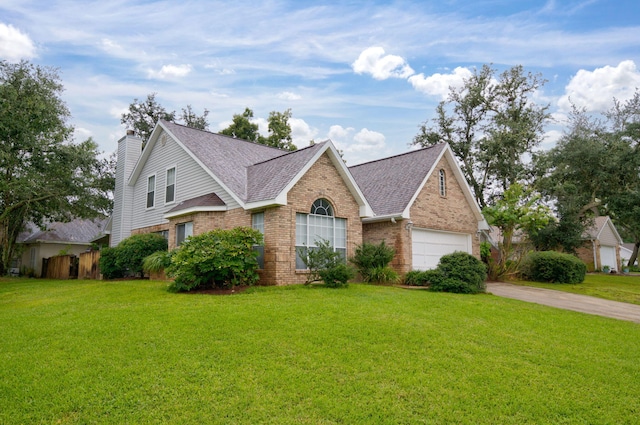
[(130, 132)]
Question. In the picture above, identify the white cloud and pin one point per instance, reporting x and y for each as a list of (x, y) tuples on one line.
[(287, 95), (373, 61), (15, 45), (301, 132), (438, 84), (595, 90), (170, 71), (366, 139), (362, 146)]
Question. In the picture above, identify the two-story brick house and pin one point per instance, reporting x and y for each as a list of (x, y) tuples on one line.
[(186, 181)]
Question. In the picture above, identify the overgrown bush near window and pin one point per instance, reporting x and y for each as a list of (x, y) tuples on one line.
[(325, 265), (554, 267), (372, 262), (458, 272), (219, 258)]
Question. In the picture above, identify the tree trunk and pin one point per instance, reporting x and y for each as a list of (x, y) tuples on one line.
[(634, 255)]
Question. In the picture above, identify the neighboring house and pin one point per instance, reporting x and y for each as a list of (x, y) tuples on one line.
[(186, 182), (53, 239), (602, 245), (626, 251)]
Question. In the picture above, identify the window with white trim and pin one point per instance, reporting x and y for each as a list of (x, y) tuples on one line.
[(170, 186), (151, 191), (319, 224), (442, 183), (257, 222), (183, 231)]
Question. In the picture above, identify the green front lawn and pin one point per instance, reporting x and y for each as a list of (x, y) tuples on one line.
[(76, 352), (608, 286)]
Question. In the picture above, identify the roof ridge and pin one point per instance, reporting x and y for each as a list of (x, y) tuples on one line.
[(398, 155), (288, 153), (223, 135)]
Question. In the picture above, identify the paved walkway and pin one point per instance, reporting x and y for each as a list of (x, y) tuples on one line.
[(567, 301)]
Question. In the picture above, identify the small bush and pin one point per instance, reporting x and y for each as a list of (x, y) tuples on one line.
[(416, 278), (156, 262), (324, 264), (458, 272), (219, 258), (337, 276), (132, 251), (372, 263), (554, 267), (109, 264)]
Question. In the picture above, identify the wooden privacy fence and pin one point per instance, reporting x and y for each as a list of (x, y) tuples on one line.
[(60, 267), (89, 265)]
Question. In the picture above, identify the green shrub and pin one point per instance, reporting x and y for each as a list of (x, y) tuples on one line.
[(132, 251), (109, 264), (220, 258), (458, 272), (156, 262), (554, 267), (326, 265), (372, 262), (416, 278), (337, 276)]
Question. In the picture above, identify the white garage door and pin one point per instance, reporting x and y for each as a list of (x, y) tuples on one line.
[(608, 256), (430, 245)]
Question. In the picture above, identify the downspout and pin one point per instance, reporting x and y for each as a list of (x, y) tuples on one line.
[(595, 257)]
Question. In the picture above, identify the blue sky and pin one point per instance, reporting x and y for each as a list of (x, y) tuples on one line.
[(365, 74)]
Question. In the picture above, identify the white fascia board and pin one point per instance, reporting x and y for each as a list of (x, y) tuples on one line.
[(193, 210), (387, 217)]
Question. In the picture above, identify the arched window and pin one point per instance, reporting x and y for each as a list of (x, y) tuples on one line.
[(320, 224), (442, 183)]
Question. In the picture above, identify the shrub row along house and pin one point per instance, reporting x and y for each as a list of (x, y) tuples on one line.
[(186, 182)]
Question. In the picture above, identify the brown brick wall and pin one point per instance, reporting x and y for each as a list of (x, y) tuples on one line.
[(394, 235), (451, 213)]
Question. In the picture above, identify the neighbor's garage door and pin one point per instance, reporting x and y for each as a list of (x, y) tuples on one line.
[(608, 256), (430, 245)]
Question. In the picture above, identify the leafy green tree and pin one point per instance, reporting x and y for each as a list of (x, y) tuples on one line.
[(45, 175), (518, 212), (490, 125), (279, 129), (142, 117)]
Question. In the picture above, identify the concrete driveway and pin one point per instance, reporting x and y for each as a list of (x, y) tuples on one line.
[(567, 301)]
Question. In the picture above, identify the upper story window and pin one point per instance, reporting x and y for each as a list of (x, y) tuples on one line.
[(151, 191), (442, 183), (170, 189)]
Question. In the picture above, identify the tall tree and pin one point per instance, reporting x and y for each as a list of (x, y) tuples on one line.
[(279, 129), (242, 128), (45, 175), (490, 124), (142, 116)]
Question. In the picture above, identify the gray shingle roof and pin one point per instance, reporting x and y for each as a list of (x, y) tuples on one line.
[(267, 179), (228, 158), (390, 183), (208, 200), (75, 231)]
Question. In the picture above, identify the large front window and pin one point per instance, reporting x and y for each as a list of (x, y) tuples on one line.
[(320, 224)]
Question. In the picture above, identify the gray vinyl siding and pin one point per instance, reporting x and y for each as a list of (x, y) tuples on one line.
[(129, 149), (191, 181), (607, 237)]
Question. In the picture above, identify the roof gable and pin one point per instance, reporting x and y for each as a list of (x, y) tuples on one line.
[(602, 228)]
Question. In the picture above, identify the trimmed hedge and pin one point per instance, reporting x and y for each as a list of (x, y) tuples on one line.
[(554, 267), (458, 272), (126, 258)]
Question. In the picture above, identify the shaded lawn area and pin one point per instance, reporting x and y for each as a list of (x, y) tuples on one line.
[(77, 352), (616, 287)]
